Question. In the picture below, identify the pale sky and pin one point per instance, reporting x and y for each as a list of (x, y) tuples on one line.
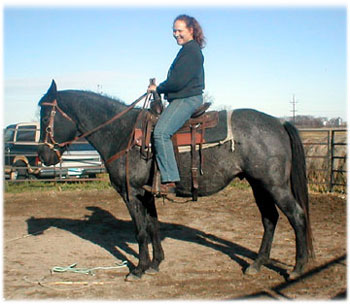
[(257, 56)]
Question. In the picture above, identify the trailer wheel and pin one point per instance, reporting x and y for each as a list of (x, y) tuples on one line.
[(20, 170)]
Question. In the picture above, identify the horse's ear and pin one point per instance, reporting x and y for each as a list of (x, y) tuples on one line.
[(52, 92)]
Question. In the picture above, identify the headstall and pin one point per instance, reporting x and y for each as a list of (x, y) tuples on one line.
[(49, 136)]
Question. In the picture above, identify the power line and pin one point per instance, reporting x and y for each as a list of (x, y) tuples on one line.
[(294, 102), (99, 89)]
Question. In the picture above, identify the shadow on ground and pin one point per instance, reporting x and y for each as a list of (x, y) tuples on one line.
[(111, 233)]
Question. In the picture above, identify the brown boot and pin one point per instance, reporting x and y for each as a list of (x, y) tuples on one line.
[(168, 191), (164, 189), (167, 188)]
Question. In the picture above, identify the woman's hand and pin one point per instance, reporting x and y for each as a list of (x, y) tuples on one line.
[(151, 88)]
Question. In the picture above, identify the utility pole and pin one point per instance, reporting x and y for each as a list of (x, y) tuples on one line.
[(294, 102), (99, 88)]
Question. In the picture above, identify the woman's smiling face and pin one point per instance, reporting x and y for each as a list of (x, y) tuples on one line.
[(181, 33)]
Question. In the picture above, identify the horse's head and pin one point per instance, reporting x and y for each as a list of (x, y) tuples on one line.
[(56, 127)]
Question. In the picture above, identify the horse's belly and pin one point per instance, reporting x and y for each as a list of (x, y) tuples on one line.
[(218, 169)]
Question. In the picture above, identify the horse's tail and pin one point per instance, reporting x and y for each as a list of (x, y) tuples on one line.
[(299, 180)]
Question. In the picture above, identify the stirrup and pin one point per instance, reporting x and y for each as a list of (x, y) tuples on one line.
[(148, 188)]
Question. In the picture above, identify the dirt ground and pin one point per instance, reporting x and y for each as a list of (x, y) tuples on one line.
[(207, 245)]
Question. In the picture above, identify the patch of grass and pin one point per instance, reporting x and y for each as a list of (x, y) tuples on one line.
[(27, 186), (240, 184), (34, 186)]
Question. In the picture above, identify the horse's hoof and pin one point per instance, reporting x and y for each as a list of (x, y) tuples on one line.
[(151, 271), (132, 278), (294, 275), (251, 270)]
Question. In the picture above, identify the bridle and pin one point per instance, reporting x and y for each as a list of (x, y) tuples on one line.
[(50, 141), (49, 136)]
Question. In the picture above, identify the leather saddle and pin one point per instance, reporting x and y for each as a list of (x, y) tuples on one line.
[(190, 134)]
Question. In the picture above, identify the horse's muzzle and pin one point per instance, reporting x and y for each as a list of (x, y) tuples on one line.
[(48, 156)]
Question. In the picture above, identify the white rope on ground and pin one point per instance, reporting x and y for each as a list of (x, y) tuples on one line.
[(71, 268), (75, 285), (27, 235)]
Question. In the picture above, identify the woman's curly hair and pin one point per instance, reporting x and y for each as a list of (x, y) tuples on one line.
[(192, 23)]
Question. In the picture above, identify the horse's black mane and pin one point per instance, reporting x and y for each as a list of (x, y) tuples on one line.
[(89, 94), (96, 97), (108, 101)]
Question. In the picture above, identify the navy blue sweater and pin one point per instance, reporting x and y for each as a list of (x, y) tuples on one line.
[(186, 74)]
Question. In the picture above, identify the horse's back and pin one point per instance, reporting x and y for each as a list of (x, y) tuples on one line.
[(262, 143), (259, 127)]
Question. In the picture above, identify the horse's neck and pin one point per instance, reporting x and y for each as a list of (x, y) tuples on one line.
[(90, 114), (88, 110)]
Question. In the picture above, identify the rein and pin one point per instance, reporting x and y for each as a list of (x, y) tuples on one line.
[(53, 145)]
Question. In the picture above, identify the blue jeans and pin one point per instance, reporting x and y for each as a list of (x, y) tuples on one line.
[(172, 119)]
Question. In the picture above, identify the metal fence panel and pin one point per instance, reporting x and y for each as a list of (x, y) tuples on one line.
[(326, 152)]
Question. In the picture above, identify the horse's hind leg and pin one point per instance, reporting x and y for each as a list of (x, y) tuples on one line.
[(297, 218), (269, 217)]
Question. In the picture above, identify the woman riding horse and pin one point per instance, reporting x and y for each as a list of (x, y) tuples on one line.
[(183, 89)]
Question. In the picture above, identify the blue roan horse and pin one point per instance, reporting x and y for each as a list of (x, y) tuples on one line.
[(268, 154)]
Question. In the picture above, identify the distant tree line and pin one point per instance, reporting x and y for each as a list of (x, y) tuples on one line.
[(308, 121)]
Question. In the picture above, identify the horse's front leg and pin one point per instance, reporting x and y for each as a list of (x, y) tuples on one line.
[(138, 214), (153, 231)]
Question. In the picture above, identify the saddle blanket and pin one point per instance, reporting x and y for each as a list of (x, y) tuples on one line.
[(214, 136)]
